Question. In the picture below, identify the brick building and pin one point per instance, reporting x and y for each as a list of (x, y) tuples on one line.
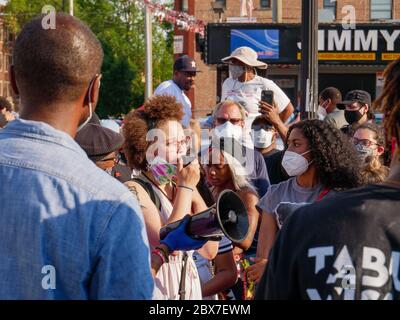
[(363, 72), (6, 42)]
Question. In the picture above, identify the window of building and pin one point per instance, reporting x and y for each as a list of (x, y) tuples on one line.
[(6, 63), (381, 9), (221, 3), (6, 89), (265, 4), (1, 88), (330, 6), (185, 5)]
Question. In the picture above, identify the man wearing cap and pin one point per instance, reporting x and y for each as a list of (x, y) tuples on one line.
[(102, 146), (183, 80), (327, 109), (245, 86), (357, 109)]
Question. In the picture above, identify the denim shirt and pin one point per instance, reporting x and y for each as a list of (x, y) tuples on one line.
[(68, 230)]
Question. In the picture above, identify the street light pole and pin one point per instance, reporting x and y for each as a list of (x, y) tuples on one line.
[(309, 59), (71, 7), (149, 53)]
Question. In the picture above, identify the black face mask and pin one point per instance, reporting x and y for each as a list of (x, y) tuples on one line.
[(353, 116)]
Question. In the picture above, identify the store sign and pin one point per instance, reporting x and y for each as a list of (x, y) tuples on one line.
[(367, 44), (264, 42)]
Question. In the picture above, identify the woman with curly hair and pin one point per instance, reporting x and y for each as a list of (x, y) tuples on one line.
[(166, 190), (369, 142), (321, 161)]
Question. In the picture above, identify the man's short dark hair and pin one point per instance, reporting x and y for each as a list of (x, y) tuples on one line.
[(54, 65), (4, 103), (331, 93)]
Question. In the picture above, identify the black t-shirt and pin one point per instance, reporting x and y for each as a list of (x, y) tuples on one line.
[(273, 161), (355, 232)]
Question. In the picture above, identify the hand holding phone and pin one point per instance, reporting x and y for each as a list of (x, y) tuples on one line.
[(267, 96)]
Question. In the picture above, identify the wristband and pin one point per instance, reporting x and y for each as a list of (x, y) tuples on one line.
[(184, 187), (164, 253), (159, 254)]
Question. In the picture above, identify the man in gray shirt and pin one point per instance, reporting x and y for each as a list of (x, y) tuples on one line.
[(328, 110)]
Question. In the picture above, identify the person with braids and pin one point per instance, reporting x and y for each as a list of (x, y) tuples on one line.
[(369, 142), (355, 232), (166, 190), (320, 161)]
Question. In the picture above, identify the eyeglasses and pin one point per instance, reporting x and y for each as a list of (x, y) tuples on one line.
[(116, 159), (184, 142), (234, 121), (365, 142)]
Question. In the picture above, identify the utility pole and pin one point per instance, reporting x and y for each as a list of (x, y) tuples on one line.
[(277, 11), (309, 59), (71, 7), (149, 53)]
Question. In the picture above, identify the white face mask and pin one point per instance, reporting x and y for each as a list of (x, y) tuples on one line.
[(236, 71), (295, 164), (87, 120), (90, 109), (322, 113), (262, 138), (228, 130)]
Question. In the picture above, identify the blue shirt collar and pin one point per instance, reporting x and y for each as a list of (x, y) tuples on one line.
[(42, 131)]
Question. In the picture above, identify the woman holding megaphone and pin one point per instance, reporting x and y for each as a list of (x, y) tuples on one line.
[(166, 191)]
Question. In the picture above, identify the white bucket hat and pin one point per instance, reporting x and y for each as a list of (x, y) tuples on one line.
[(246, 55)]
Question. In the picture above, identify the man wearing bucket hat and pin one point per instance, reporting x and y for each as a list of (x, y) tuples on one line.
[(185, 71), (245, 86)]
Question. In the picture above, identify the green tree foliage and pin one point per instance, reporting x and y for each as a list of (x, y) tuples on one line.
[(120, 27)]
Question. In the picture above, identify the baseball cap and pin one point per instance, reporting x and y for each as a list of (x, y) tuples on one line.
[(186, 64), (355, 96)]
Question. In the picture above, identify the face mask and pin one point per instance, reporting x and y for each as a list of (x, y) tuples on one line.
[(295, 164), (322, 113), (90, 111), (262, 138), (236, 71), (364, 152), (228, 130), (353, 116), (162, 171)]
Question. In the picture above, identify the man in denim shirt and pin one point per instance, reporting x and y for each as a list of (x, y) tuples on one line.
[(67, 229)]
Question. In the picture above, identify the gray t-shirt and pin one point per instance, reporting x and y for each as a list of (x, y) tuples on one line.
[(336, 118), (288, 191)]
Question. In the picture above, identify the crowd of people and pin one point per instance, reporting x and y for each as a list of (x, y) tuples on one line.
[(90, 198)]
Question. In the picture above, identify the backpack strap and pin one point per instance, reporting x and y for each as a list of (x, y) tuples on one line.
[(149, 189)]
